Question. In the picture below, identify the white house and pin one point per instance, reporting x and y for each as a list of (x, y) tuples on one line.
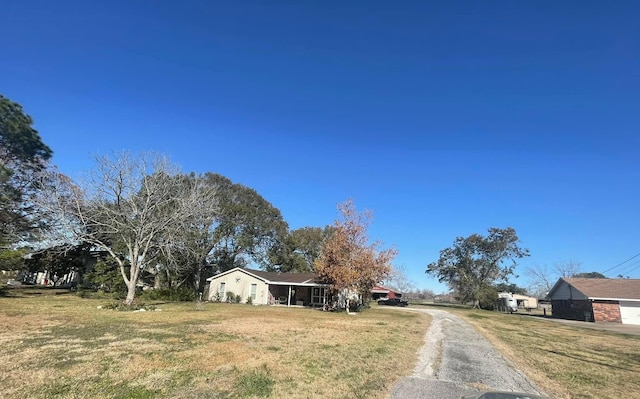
[(268, 288)]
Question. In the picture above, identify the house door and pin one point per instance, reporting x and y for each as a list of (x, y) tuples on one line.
[(318, 296)]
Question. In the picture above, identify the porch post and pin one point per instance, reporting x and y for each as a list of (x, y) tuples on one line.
[(289, 297)]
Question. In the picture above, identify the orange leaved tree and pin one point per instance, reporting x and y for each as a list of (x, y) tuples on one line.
[(348, 261)]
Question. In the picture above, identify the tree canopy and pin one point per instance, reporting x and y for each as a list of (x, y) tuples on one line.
[(123, 207), (512, 288), (248, 226), (473, 264), (299, 249), (232, 226), (589, 275), (22, 154), (348, 261)]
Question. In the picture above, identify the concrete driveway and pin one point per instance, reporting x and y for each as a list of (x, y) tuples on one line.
[(456, 360), (619, 328)]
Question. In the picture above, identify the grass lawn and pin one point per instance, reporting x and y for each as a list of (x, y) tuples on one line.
[(63, 346), (565, 361)]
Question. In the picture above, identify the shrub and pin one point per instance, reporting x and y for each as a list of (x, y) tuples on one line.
[(249, 300), (120, 306), (166, 294), (106, 275), (237, 298), (217, 297), (230, 296)]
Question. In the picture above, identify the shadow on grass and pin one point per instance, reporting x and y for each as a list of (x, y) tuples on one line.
[(441, 305), (23, 291), (588, 361)]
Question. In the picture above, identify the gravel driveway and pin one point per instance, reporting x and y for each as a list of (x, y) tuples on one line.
[(456, 360)]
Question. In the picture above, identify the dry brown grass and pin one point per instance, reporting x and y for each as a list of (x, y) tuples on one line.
[(63, 346), (565, 361)]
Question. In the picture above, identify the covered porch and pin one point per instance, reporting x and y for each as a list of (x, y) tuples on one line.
[(297, 295)]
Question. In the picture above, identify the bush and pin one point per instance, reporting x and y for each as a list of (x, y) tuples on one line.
[(237, 299), (217, 297), (166, 294), (106, 276), (249, 300), (488, 298), (119, 306), (230, 296)]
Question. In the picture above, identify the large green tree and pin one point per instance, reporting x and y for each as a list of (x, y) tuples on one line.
[(299, 249), (22, 155), (235, 227), (247, 228), (475, 263)]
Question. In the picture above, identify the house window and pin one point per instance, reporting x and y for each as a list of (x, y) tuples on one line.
[(221, 290), (254, 288), (318, 295)]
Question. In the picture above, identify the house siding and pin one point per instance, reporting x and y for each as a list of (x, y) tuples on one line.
[(572, 309), (566, 292), (607, 311), (239, 283)]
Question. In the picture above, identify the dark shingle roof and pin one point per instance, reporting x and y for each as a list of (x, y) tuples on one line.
[(618, 288), (295, 278)]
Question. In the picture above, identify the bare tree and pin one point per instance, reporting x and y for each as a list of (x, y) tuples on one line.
[(542, 280), (124, 206), (182, 252), (567, 269), (398, 279), (542, 277)]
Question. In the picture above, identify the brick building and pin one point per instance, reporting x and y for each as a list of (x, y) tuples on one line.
[(596, 299)]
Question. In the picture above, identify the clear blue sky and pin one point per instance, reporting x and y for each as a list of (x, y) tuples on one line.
[(444, 118)]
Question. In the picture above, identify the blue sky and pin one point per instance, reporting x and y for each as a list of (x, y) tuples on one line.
[(444, 118)]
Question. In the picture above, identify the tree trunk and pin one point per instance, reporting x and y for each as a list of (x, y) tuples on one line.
[(134, 271), (131, 292)]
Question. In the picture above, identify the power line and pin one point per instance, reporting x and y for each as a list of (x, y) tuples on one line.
[(630, 268), (621, 263)]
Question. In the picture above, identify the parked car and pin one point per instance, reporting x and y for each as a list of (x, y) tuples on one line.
[(393, 302)]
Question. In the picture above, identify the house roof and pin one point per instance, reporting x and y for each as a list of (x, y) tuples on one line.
[(604, 288), (378, 289), (275, 277)]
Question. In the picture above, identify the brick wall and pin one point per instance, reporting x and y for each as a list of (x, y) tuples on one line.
[(606, 311)]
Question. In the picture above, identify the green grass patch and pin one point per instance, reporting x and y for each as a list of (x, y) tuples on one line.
[(254, 383), (64, 346)]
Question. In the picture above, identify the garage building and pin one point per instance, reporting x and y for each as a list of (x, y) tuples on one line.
[(597, 299)]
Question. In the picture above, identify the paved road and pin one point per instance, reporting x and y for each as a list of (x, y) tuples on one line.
[(456, 360)]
